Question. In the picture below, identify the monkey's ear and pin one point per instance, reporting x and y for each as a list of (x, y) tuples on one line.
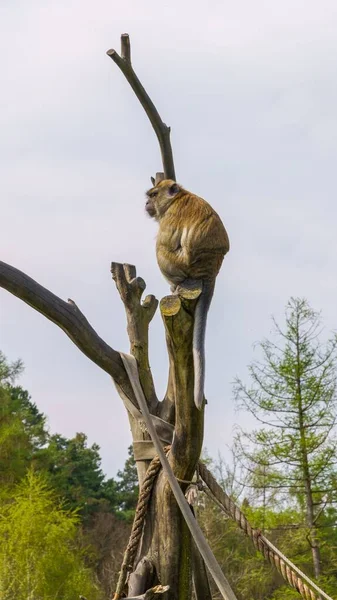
[(153, 181), (174, 189)]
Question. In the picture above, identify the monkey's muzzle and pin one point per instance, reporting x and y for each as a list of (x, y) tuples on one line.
[(150, 209)]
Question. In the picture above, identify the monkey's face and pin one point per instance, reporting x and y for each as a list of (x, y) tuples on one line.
[(160, 197), (150, 204)]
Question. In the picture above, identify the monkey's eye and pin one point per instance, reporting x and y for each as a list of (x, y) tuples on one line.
[(153, 194)]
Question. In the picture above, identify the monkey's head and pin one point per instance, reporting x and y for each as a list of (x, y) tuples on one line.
[(160, 197)]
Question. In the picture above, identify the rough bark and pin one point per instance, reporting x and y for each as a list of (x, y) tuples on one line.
[(166, 541), (166, 547), (139, 316)]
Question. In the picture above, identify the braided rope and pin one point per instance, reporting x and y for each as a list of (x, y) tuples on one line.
[(290, 573), (138, 524)]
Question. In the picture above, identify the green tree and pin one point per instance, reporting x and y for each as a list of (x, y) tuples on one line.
[(33, 420), (40, 558), (73, 467), (22, 426), (75, 471), (293, 396), (15, 445), (9, 371)]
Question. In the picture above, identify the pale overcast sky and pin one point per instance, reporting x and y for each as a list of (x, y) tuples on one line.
[(250, 91)]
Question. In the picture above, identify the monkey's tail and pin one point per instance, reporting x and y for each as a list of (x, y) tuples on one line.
[(199, 332)]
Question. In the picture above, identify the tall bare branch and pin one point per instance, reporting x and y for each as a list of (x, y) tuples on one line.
[(161, 129)]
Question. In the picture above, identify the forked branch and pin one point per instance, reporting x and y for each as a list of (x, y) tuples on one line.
[(139, 315), (162, 131)]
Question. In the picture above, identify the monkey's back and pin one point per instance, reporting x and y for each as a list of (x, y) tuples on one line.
[(193, 237)]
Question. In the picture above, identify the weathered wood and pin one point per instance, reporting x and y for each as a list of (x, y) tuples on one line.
[(159, 177), (187, 443), (167, 407), (202, 590), (139, 315), (144, 498), (125, 47), (142, 578), (178, 317), (166, 540), (165, 523), (150, 594), (162, 131), (198, 536), (143, 450)]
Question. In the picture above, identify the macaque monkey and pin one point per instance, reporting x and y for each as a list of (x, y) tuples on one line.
[(191, 245)]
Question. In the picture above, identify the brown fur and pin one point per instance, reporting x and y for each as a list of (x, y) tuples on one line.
[(192, 240)]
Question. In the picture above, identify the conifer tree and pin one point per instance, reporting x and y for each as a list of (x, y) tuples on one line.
[(293, 397)]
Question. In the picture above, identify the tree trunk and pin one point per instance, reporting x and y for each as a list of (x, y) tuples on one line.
[(310, 517), (166, 543), (165, 555)]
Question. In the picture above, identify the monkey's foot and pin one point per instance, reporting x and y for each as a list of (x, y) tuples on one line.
[(190, 289)]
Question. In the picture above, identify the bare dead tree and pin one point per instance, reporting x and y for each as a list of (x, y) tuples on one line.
[(166, 555)]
